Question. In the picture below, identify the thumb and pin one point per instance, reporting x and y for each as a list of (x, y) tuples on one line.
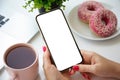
[(46, 57), (84, 68)]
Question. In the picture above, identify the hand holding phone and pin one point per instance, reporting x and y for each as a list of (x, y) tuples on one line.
[(59, 39)]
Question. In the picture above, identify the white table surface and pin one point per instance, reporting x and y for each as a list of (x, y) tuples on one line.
[(109, 48)]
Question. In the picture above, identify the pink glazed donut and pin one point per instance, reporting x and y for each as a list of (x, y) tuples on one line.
[(103, 23), (86, 9)]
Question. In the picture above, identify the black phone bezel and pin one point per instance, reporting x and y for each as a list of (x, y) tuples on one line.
[(52, 60)]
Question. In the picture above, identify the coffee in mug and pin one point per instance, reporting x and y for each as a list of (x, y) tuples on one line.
[(21, 61)]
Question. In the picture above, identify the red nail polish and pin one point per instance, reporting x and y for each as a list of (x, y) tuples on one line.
[(44, 48), (89, 78), (75, 68), (86, 76)]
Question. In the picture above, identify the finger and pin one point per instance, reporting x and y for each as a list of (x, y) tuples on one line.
[(46, 58), (86, 68), (83, 68), (71, 71), (87, 56)]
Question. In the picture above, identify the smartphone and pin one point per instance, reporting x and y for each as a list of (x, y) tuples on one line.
[(59, 39)]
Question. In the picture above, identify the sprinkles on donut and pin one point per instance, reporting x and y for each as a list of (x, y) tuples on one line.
[(87, 8), (103, 23)]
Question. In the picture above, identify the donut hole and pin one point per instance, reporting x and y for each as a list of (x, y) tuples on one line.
[(91, 8), (104, 20)]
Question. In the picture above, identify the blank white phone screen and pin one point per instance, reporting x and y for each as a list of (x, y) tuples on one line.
[(59, 40)]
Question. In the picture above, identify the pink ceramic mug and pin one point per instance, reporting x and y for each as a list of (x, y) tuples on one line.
[(21, 62)]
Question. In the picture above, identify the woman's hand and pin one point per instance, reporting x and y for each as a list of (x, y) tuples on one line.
[(51, 72), (97, 67)]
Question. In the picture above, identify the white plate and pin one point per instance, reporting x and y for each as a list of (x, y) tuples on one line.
[(82, 29)]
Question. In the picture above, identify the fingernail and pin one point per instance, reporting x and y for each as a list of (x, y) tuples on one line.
[(75, 68), (44, 48), (86, 76)]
